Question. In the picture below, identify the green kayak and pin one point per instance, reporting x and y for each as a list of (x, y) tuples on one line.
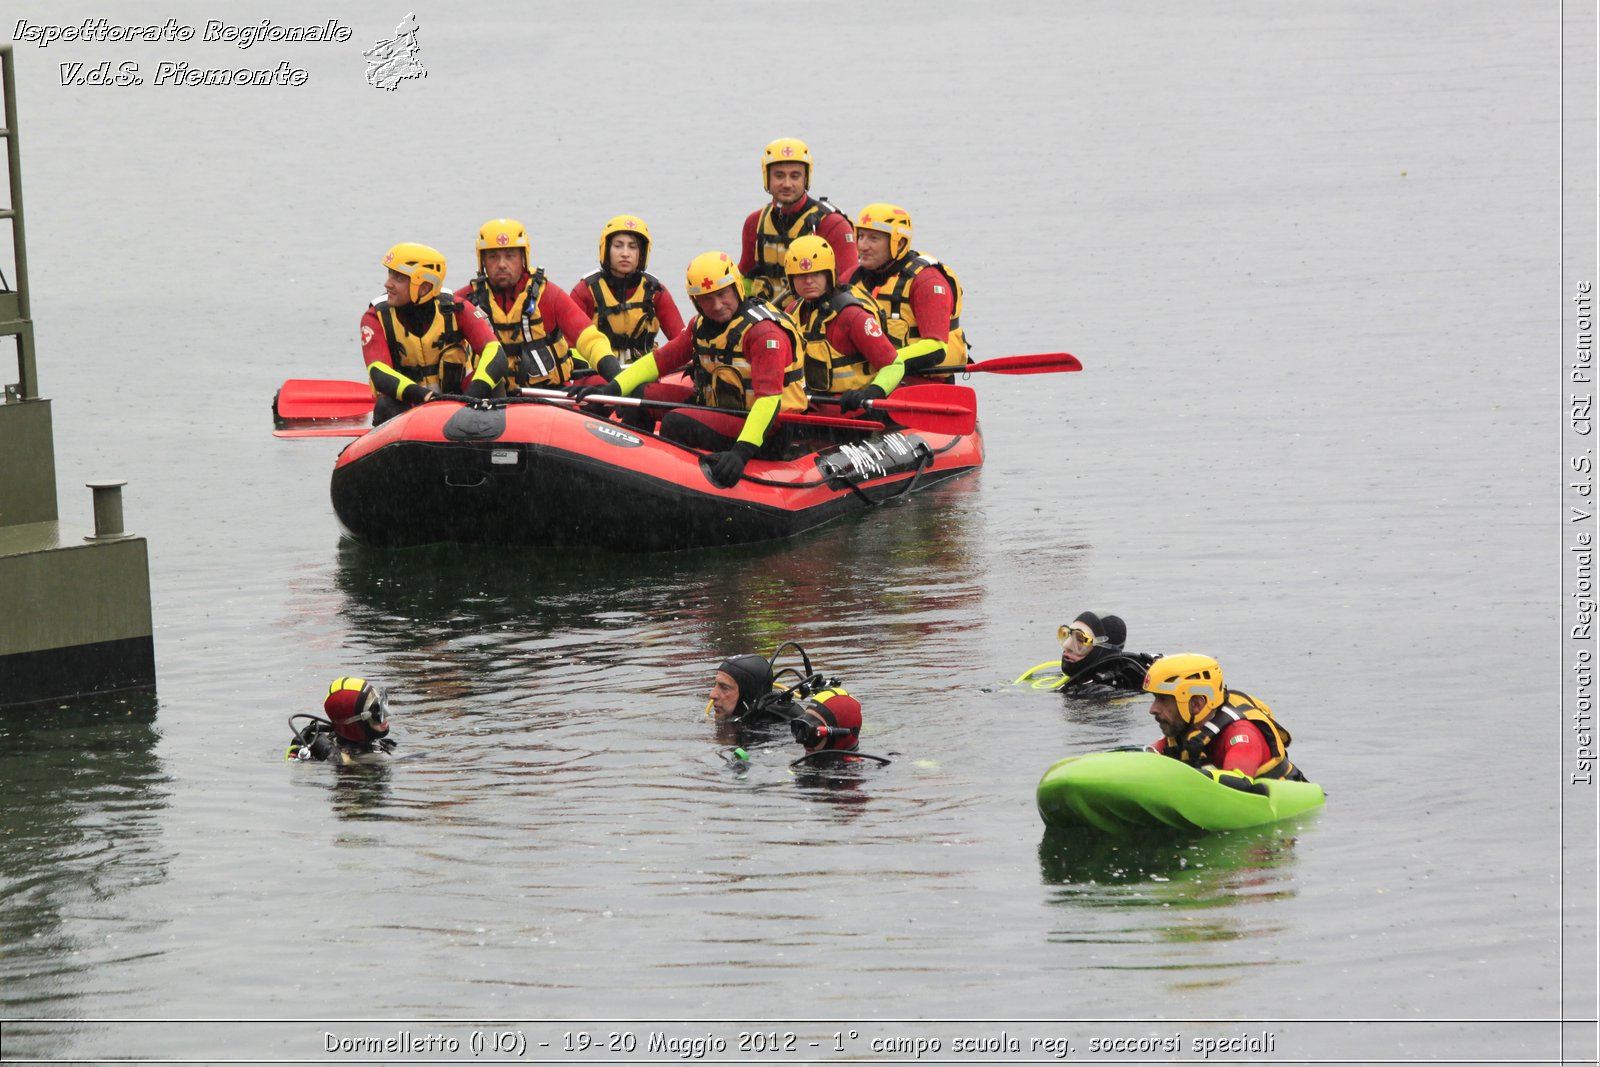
[(1116, 791)]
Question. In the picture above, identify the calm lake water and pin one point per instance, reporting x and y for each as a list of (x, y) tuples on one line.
[(1308, 256)]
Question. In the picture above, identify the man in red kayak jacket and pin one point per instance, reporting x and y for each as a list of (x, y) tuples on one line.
[(548, 341), (919, 296), (418, 341), (746, 356), (1229, 735), (624, 301), (846, 352), (793, 213)]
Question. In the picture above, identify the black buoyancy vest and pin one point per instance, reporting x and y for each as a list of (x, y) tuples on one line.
[(1195, 746)]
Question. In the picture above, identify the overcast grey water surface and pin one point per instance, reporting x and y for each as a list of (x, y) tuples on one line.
[(1306, 254)]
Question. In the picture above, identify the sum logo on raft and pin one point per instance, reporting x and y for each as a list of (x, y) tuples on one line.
[(613, 436)]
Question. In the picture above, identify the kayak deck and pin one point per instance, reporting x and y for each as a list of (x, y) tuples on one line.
[(1121, 791)]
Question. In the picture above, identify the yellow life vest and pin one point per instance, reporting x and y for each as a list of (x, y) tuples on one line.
[(537, 354), (631, 326), (438, 357), (766, 277), (900, 322), (1194, 747), (827, 369), (722, 373)]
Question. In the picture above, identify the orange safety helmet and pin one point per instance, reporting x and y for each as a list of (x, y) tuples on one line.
[(1185, 675), (711, 271), (625, 224), (785, 150), (890, 219), (809, 254), (420, 263), (504, 233)]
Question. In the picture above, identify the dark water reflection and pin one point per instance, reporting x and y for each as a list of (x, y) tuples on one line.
[(1203, 895), (81, 802), (492, 619), (1166, 869)]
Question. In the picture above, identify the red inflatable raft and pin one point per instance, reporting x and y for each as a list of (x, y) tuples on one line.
[(546, 474)]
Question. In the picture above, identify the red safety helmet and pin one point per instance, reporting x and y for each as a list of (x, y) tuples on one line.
[(358, 710), (832, 720)]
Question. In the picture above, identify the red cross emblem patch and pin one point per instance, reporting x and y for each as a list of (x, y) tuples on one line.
[(502, 239), (805, 264), (788, 150)]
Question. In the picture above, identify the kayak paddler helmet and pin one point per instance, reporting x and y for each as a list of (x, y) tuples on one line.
[(358, 710), (421, 264), (503, 233), (711, 271), (889, 219), (832, 720), (785, 150), (625, 224), (809, 254), (752, 674), (1188, 674)]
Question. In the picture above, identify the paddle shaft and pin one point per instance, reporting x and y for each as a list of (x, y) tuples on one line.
[(948, 409), (551, 396), (934, 412)]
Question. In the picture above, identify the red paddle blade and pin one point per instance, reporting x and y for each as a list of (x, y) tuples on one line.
[(310, 398), (954, 423), (934, 408), (931, 396), (1040, 363)]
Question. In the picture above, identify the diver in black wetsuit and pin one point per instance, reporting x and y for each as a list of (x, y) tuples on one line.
[(355, 731), (745, 690), (1092, 655), (821, 716), (742, 691)]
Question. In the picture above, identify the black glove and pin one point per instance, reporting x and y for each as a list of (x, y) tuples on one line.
[(856, 399), (418, 394), (724, 468), (602, 411)]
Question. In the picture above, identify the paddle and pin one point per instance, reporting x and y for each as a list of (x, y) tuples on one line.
[(1041, 363), (936, 408), (940, 415), (311, 398), (562, 398), (933, 408)]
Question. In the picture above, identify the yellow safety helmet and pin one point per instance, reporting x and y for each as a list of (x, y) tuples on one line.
[(808, 254), (785, 150), (503, 233), (892, 220), (421, 264), (1185, 675), (626, 224), (710, 271)]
